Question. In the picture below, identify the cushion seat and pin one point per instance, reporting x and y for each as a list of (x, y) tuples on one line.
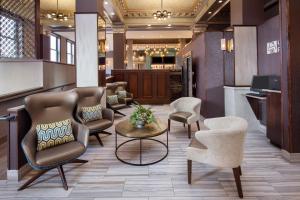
[(98, 125), (118, 106), (59, 154), (180, 116)]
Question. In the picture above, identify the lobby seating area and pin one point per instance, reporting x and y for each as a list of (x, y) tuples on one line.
[(104, 177), (149, 100)]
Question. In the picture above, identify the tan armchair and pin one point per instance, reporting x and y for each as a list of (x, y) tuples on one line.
[(221, 146), (187, 111), (121, 86), (91, 96), (47, 108), (111, 90)]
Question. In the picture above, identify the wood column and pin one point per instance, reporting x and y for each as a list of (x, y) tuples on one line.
[(119, 49), (290, 78), (247, 12)]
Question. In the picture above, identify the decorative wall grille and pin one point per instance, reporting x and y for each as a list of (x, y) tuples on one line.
[(17, 29)]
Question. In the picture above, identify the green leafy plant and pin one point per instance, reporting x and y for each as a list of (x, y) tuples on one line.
[(142, 114)]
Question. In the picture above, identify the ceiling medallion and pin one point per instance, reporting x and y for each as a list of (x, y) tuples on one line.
[(162, 14), (57, 15)]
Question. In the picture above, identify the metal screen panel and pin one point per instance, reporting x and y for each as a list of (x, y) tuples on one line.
[(17, 29)]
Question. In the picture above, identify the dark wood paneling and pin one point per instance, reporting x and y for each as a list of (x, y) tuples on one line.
[(147, 86), (268, 32), (133, 83), (209, 73), (290, 74), (274, 118), (119, 50), (162, 89)]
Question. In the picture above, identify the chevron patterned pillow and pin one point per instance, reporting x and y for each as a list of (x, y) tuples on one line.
[(122, 94), (54, 134), (91, 113)]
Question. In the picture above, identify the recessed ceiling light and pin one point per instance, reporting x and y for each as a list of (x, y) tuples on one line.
[(209, 12), (70, 26), (169, 25), (220, 1), (149, 25), (105, 2), (112, 13)]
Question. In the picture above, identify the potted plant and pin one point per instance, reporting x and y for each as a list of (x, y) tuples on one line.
[(141, 116)]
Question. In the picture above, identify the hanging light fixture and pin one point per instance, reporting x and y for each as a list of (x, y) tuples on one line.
[(162, 14), (57, 16)]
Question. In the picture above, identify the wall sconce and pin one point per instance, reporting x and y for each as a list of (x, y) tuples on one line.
[(227, 45)]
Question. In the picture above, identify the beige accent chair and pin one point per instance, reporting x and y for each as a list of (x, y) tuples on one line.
[(221, 146), (185, 110)]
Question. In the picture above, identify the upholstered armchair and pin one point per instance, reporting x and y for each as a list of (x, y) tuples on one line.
[(221, 146), (185, 110), (113, 101), (127, 96), (46, 108), (89, 97)]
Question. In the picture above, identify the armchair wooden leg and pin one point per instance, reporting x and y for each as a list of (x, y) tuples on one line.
[(36, 176), (189, 165), (240, 170), (198, 125), (79, 161), (189, 131), (236, 173), (98, 138), (106, 133), (169, 125), (183, 124), (118, 112), (62, 176)]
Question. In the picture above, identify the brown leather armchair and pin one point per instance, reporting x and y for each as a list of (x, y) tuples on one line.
[(121, 86), (111, 90), (91, 96), (47, 108)]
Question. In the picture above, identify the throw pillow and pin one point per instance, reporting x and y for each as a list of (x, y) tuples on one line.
[(112, 100), (122, 94), (91, 113), (54, 134)]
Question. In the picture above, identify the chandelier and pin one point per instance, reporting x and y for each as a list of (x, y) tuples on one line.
[(162, 14), (57, 15)]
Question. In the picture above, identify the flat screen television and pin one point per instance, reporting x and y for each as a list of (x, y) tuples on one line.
[(157, 60), (265, 82), (169, 60)]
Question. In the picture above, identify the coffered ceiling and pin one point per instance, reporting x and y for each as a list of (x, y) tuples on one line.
[(139, 12)]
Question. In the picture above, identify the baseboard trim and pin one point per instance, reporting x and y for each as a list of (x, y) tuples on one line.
[(291, 157), (17, 175)]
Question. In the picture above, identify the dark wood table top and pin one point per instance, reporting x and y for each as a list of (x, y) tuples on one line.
[(126, 129)]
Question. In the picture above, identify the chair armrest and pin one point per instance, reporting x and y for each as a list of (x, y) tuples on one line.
[(108, 114), (121, 101), (78, 118), (81, 133), (195, 114), (29, 146), (129, 95)]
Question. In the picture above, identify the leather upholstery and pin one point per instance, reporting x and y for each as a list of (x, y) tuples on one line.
[(113, 88), (90, 96), (47, 108), (118, 106), (51, 156), (180, 116)]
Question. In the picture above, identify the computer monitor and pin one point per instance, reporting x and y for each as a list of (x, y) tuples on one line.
[(265, 82)]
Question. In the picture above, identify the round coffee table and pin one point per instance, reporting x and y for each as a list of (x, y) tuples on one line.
[(126, 129)]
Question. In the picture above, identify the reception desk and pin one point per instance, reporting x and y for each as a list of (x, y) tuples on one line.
[(147, 86)]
